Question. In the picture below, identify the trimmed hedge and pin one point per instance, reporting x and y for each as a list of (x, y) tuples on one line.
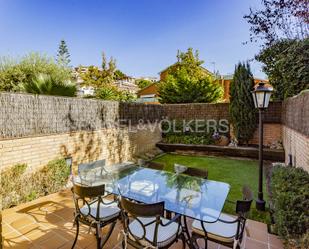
[(290, 197)]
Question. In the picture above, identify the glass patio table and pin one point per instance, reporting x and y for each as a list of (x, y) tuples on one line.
[(188, 196)]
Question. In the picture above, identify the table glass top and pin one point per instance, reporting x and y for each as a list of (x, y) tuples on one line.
[(190, 196)]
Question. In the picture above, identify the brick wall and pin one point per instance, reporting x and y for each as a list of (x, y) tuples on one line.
[(216, 111), (272, 117), (36, 129), (113, 144), (295, 119), (272, 133), (197, 111), (297, 145)]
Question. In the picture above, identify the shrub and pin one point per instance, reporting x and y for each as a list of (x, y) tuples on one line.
[(188, 139), (111, 92), (197, 133), (290, 197), (19, 186), (46, 84), (13, 72)]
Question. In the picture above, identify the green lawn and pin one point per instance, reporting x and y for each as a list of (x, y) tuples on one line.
[(235, 172)]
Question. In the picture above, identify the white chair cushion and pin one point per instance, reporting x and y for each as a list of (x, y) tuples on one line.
[(106, 211), (166, 234), (220, 231)]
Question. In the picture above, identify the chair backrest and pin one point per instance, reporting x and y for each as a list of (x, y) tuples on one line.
[(137, 211), (84, 196), (97, 165), (202, 173), (243, 206), (155, 165)]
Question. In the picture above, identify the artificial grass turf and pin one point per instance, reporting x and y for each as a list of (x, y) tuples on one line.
[(236, 172)]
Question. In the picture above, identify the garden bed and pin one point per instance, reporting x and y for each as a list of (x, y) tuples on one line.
[(249, 152)]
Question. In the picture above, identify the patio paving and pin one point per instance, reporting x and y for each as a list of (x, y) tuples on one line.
[(47, 223)]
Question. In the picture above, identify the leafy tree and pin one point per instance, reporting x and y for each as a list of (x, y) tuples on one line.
[(63, 55), (188, 82), (286, 63), (287, 19), (142, 83), (15, 72), (46, 84), (97, 77), (242, 111), (119, 75)]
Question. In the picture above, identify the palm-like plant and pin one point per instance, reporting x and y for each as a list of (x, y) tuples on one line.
[(48, 85)]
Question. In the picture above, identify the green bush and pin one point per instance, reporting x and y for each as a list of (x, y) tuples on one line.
[(111, 92), (14, 73), (188, 82), (290, 197), (46, 84), (174, 132), (19, 186), (286, 65), (188, 139)]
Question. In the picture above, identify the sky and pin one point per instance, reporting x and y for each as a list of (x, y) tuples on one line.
[(142, 35)]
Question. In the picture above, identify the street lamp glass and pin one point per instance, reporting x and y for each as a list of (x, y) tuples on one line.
[(261, 96)]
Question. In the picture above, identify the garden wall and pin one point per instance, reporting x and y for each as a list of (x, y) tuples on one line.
[(272, 117), (295, 120), (36, 129)]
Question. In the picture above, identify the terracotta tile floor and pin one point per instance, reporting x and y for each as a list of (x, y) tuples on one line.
[(47, 223)]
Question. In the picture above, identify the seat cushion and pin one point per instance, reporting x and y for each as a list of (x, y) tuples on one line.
[(166, 234), (218, 231), (107, 212)]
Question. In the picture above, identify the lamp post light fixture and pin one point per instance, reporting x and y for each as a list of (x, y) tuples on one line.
[(261, 96)]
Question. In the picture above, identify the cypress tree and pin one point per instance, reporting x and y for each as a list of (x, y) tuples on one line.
[(242, 110)]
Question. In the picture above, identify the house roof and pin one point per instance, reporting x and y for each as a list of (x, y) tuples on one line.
[(146, 87)]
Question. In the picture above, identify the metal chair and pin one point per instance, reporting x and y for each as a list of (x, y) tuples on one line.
[(93, 209), (227, 230), (145, 226), (89, 172)]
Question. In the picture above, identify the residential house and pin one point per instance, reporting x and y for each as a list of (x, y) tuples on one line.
[(127, 84), (149, 94), (226, 80)]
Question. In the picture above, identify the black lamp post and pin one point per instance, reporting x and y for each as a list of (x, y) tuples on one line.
[(261, 96)]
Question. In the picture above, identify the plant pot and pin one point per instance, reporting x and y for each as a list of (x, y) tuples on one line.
[(223, 141)]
